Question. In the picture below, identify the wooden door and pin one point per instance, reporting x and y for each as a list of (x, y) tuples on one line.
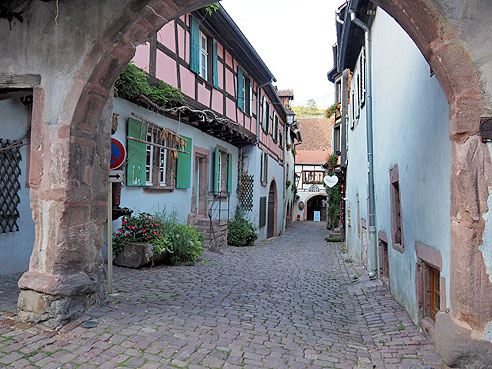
[(271, 212)]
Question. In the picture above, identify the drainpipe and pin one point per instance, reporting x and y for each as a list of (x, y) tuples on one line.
[(373, 271)]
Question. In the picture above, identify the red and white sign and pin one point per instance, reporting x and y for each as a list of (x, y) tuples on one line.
[(118, 154)]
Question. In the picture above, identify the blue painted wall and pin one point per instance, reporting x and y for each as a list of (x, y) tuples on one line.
[(16, 247), (411, 130), (179, 199)]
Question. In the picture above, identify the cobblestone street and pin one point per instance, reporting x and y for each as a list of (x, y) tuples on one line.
[(286, 303)]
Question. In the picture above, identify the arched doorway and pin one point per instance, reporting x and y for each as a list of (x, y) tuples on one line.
[(272, 210), (316, 204)]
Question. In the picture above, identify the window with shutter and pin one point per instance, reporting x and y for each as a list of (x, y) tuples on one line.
[(215, 73), (229, 174), (203, 56), (222, 171), (264, 114), (275, 128), (240, 89), (137, 153), (363, 77), (251, 98), (194, 45)]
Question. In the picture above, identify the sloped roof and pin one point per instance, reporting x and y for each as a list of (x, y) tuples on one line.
[(317, 157), (317, 133)]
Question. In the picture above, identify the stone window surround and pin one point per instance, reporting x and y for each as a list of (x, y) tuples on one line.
[(264, 169), (427, 257), (394, 178), (204, 155), (382, 237), (223, 152)]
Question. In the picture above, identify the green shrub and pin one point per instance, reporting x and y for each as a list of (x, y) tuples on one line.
[(182, 243), (187, 243), (241, 231)]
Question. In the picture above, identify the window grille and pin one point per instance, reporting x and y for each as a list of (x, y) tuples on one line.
[(246, 192), (9, 186)]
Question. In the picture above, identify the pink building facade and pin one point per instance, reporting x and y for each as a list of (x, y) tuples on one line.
[(221, 80), (232, 117)]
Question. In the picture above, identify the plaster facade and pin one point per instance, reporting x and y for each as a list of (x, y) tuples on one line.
[(410, 115), (178, 199), (16, 247)]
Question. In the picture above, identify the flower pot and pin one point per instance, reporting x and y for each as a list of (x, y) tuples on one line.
[(137, 255)]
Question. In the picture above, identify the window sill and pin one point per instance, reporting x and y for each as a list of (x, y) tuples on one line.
[(264, 183), (201, 79), (398, 247), (153, 189), (221, 197)]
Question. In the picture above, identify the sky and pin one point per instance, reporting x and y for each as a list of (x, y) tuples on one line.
[(295, 41)]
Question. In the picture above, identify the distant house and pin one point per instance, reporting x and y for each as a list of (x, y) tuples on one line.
[(309, 171), (292, 138), (232, 120), (412, 159)]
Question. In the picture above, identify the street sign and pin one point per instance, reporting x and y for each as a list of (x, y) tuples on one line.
[(118, 154), (116, 176)]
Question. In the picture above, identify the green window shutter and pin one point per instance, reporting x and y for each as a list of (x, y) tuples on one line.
[(215, 73), (216, 171), (183, 170), (240, 95), (229, 173), (135, 169), (194, 45)]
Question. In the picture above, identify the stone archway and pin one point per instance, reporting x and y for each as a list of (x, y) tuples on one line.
[(70, 138), (306, 202), (70, 141), (439, 29)]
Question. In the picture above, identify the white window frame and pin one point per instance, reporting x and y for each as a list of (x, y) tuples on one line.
[(162, 165), (219, 173), (203, 62), (264, 115), (149, 157)]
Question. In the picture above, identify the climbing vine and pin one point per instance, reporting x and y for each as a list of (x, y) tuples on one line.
[(334, 212)]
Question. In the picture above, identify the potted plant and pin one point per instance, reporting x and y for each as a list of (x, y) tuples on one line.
[(141, 241)]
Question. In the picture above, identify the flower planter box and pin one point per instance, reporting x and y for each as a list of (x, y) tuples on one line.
[(137, 255)]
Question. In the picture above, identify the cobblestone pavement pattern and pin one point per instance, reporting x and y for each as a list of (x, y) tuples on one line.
[(286, 303)]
